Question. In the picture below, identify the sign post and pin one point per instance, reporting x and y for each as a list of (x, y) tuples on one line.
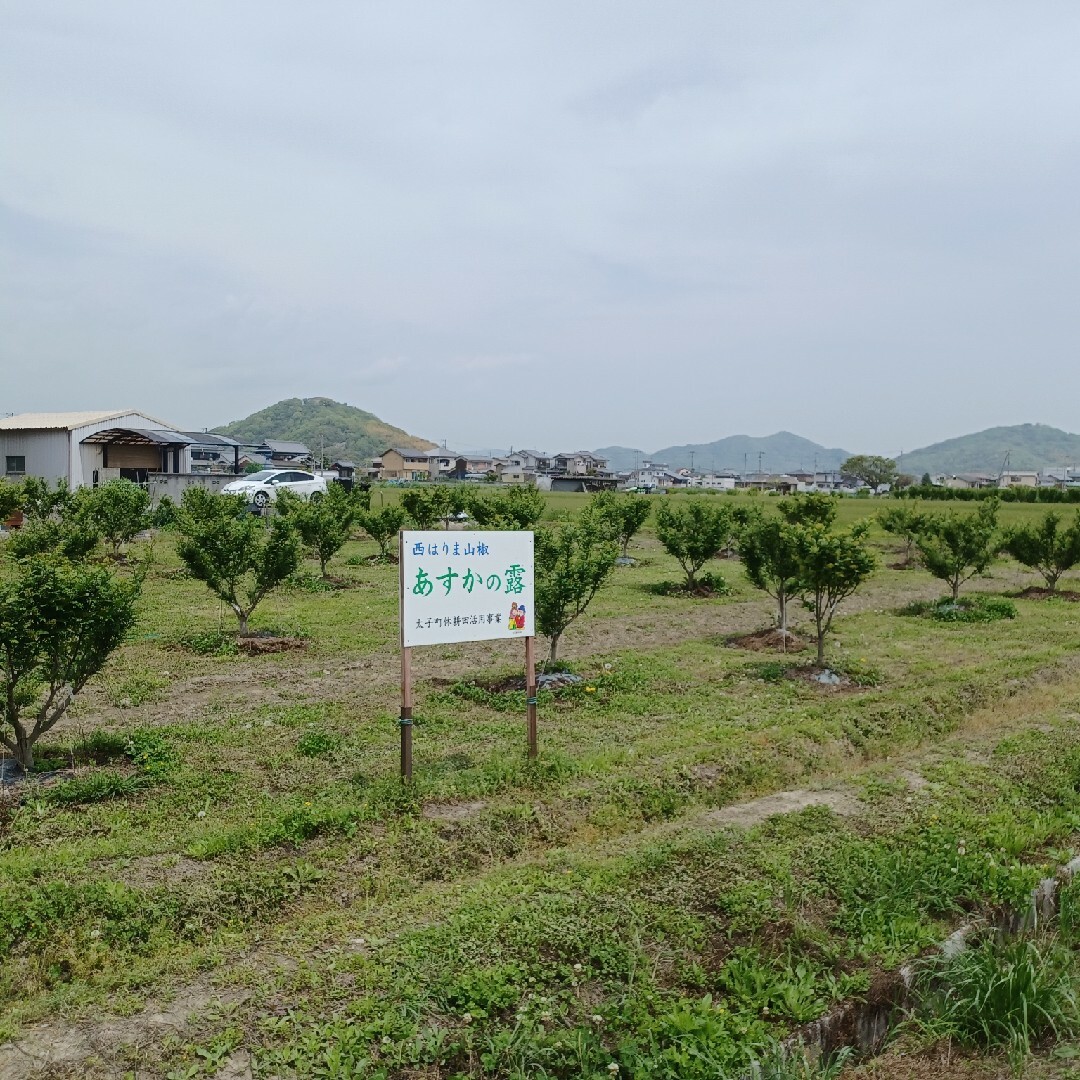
[(465, 586)]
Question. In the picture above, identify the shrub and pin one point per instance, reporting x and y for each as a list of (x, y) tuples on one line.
[(694, 532), (957, 546), (1047, 546)]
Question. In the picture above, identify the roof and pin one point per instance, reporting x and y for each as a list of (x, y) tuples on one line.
[(345, 464), (409, 455), (286, 447), (209, 438), (67, 421), (139, 437)]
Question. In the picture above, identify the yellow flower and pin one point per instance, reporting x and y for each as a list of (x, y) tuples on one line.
[(590, 689)]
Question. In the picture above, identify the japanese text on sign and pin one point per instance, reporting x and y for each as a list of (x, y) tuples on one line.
[(466, 586)]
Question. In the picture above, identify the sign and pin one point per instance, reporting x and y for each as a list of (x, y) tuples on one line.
[(466, 586)]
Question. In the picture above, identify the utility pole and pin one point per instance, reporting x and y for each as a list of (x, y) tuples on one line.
[(691, 462), (760, 455)]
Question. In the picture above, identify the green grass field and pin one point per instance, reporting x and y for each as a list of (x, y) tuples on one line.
[(228, 845)]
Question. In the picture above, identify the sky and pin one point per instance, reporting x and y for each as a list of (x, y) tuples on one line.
[(568, 224)]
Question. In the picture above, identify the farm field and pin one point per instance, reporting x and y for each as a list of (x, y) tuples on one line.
[(225, 877)]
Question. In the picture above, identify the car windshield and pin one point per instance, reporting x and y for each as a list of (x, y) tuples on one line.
[(264, 475)]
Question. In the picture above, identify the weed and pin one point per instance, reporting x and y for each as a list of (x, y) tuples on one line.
[(976, 608), (317, 743), (208, 642), (1002, 995)]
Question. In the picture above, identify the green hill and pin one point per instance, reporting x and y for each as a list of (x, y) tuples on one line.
[(1029, 446), (341, 430), (779, 453)]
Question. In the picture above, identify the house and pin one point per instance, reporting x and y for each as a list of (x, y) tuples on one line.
[(281, 453), (578, 463), (214, 453), (507, 472), (445, 464), (402, 464), (345, 470), (1013, 478), (721, 481), (529, 461), (87, 448), (970, 481)]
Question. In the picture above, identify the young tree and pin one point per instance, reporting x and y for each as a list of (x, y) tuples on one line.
[(815, 508), (769, 549), (424, 506), (870, 469), (234, 552), (693, 532), (518, 507), (382, 526), (70, 538), (622, 515), (323, 526), (905, 522), (59, 622), (831, 567), (957, 546), (1047, 546), (571, 563), (927, 480), (118, 510), (10, 499), (39, 501)]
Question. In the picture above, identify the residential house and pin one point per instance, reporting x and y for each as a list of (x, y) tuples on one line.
[(402, 464), (578, 463), (721, 481), (283, 454), (969, 481), (211, 453), (529, 461), (1014, 478)]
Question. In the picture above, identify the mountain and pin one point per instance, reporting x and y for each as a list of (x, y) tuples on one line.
[(322, 423), (622, 458), (1029, 446), (779, 453)]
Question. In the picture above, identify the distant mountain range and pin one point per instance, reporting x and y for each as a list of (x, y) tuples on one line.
[(1028, 446), (341, 431), (778, 453)]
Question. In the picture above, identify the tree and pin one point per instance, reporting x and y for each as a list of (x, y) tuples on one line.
[(572, 563), (517, 507), (324, 524), (70, 538), (235, 553), (927, 480), (1047, 546), (694, 532), (424, 506), (956, 546), (831, 567), (906, 522), (118, 510), (769, 549), (40, 501), (815, 508), (10, 499), (622, 515), (59, 623), (382, 526), (871, 469)]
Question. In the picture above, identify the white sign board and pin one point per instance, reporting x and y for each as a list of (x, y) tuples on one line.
[(466, 586)]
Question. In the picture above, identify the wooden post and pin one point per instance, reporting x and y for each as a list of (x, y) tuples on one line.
[(530, 695), (406, 717)]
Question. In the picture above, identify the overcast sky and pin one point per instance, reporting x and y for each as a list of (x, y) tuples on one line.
[(557, 224)]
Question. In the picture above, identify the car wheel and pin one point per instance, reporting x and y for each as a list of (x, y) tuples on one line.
[(261, 499), (316, 496)]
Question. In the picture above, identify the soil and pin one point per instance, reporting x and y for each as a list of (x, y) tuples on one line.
[(261, 643), (771, 640), (747, 814), (1038, 592), (458, 811)]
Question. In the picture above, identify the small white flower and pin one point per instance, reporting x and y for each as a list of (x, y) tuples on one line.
[(961, 850), (613, 1068), (95, 933), (386, 1040), (201, 814), (596, 1018), (467, 1018), (577, 967)]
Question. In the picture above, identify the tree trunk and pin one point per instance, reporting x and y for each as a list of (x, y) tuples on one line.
[(24, 750), (553, 652), (955, 589), (243, 617), (625, 548), (820, 645)]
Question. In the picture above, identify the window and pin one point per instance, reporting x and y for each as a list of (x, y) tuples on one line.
[(16, 464)]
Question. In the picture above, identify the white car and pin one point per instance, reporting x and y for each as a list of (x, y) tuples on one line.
[(261, 488)]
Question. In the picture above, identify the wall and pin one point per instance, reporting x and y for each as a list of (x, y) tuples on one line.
[(174, 484), (46, 452)]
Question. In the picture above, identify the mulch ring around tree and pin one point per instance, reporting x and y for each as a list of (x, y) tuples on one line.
[(555, 680), (822, 678), (769, 640), (1039, 592), (261, 642)]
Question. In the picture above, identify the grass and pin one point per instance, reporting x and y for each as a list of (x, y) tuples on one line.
[(240, 819)]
